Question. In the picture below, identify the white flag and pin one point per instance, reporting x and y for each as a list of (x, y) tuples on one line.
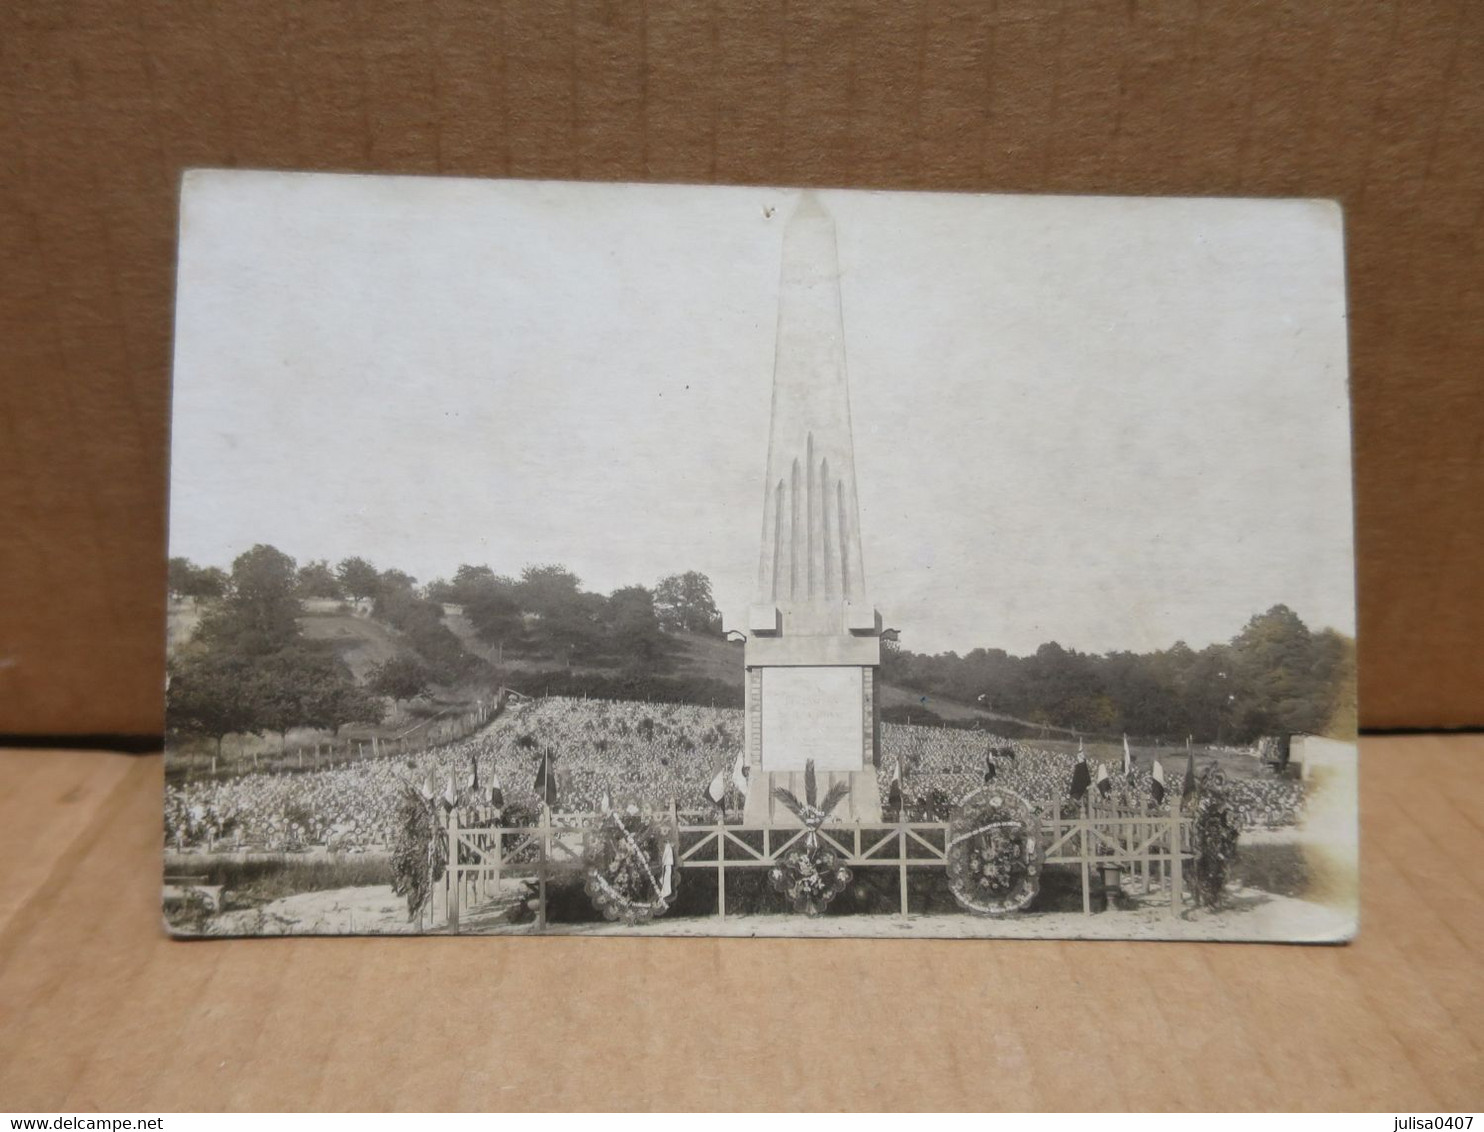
[(667, 867), (1158, 787), (717, 791), (739, 776), (1128, 758)]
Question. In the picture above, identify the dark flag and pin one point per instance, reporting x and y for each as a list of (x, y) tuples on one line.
[(990, 767), (1187, 788), (493, 793), (1105, 784), (1157, 786), (1081, 779), (546, 780)]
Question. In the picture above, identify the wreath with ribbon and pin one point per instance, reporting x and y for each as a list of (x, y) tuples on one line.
[(810, 877), (994, 858), (631, 873)]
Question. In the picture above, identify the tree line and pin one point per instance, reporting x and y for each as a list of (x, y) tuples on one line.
[(1275, 676)]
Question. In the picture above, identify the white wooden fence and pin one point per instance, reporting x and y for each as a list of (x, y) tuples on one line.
[(1147, 848)]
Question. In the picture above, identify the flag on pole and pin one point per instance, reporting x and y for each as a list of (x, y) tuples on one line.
[(1081, 778), (607, 801), (894, 792), (493, 792), (1105, 784), (1157, 787), (546, 780), (739, 775), (1187, 788), (717, 791), (1128, 759), (449, 795), (990, 766)]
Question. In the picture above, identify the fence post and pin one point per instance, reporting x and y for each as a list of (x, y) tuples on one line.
[(1082, 832), (1176, 873), (901, 862), (1142, 838), (453, 871), (721, 869), (541, 866)]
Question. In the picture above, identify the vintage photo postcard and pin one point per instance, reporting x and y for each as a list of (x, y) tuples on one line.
[(579, 558)]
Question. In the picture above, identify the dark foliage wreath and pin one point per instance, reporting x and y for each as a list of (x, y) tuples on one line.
[(419, 855), (631, 873), (1213, 838), (994, 859)]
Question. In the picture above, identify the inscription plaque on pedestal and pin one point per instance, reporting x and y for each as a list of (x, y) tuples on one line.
[(813, 713)]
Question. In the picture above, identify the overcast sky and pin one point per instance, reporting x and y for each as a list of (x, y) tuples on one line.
[(1113, 423)]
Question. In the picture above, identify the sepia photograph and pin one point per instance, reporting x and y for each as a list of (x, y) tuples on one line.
[(562, 558)]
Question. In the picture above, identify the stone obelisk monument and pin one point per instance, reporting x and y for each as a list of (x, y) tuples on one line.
[(813, 638)]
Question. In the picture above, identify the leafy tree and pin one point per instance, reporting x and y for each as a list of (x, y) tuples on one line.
[(496, 617), (573, 630), (1278, 685), (684, 602), (185, 579), (305, 686), (439, 590), (472, 582), (633, 627), (347, 702), (207, 697), (395, 581), (261, 611), (548, 590), (316, 579), (358, 578), (403, 677)]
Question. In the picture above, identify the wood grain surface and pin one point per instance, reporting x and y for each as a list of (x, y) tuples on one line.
[(103, 104), (99, 1011)]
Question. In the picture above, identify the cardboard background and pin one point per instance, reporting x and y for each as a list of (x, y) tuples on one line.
[(1380, 105)]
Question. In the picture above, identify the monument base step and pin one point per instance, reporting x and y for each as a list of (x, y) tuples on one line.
[(862, 804)]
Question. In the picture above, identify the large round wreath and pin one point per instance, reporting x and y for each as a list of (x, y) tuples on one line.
[(994, 859), (631, 873)]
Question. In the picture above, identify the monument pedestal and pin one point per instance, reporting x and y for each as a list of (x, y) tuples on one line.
[(798, 713)]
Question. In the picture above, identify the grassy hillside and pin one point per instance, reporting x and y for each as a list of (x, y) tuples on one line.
[(361, 642)]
